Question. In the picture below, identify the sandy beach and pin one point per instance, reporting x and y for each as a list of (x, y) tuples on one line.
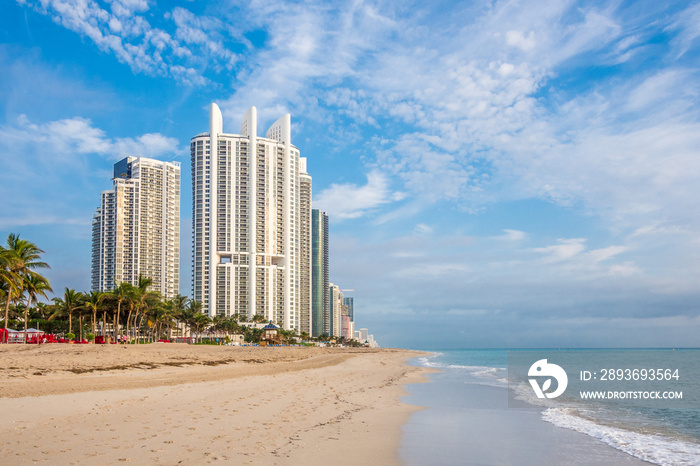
[(181, 404)]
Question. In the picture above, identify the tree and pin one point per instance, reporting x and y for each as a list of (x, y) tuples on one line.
[(8, 279), (190, 316), (200, 322), (71, 302), (253, 335), (121, 293), (159, 314), (20, 258), (179, 304), (92, 302), (35, 285), (143, 299)]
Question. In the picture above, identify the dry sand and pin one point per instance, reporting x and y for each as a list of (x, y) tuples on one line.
[(181, 404)]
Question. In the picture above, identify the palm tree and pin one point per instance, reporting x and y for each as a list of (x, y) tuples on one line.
[(120, 294), (92, 302), (189, 314), (72, 301), (21, 257), (200, 322), (179, 304), (8, 278), (143, 298), (35, 285)]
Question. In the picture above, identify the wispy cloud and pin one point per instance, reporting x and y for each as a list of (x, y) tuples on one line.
[(125, 30), (565, 249), (49, 167), (344, 201), (77, 135)]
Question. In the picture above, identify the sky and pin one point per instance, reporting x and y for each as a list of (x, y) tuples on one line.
[(496, 173)]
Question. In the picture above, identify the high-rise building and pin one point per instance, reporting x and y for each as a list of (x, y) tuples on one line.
[(305, 267), (363, 335), (349, 301), (136, 229), (336, 309), (320, 296), (348, 328), (246, 219)]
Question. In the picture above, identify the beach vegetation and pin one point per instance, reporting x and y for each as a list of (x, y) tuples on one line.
[(35, 286), (253, 335), (137, 313), (19, 261), (92, 303), (120, 294), (70, 302)]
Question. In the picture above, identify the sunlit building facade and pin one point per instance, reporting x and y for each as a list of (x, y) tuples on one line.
[(247, 221), (336, 310), (136, 229)]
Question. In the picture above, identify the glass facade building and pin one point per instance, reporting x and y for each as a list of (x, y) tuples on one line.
[(320, 294)]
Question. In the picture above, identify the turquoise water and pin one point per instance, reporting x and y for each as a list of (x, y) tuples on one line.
[(661, 432)]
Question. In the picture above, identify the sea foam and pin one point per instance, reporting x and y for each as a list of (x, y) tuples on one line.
[(656, 449)]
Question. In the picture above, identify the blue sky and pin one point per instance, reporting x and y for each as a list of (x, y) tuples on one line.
[(497, 174)]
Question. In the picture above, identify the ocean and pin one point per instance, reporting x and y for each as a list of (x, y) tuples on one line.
[(477, 414)]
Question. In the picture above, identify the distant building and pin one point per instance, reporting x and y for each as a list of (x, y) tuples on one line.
[(349, 301), (336, 308), (320, 296), (363, 335), (345, 327), (348, 329), (305, 250), (248, 196), (136, 229)]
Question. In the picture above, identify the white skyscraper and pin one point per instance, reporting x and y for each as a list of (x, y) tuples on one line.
[(136, 229), (247, 221), (336, 301)]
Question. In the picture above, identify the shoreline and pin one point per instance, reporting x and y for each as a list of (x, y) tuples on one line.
[(249, 405), (466, 422)]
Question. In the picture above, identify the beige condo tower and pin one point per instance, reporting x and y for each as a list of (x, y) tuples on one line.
[(136, 229), (250, 231)]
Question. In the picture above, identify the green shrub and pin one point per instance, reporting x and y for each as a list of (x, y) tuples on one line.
[(70, 336)]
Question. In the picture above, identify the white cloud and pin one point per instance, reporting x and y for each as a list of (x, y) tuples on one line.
[(520, 40), (72, 136), (152, 145), (125, 31), (514, 235), (54, 171), (343, 201), (423, 229), (602, 254), (566, 249), (686, 25)]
